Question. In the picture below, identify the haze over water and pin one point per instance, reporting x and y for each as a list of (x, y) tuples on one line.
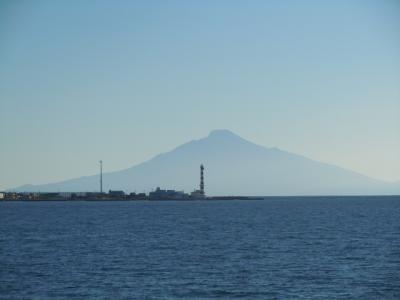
[(278, 248), (123, 81)]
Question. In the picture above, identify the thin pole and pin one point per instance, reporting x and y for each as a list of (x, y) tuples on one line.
[(101, 177), (201, 179)]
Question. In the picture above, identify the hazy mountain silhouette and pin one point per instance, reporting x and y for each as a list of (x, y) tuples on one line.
[(233, 166)]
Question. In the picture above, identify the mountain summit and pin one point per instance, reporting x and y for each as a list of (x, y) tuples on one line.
[(233, 166), (223, 133)]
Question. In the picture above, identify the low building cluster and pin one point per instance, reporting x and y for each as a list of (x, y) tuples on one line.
[(157, 194), (111, 195)]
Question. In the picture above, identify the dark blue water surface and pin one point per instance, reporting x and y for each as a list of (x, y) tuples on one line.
[(278, 248)]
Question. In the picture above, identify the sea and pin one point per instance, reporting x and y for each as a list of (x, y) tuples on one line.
[(276, 248)]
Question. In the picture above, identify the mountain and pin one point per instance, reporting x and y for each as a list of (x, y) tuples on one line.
[(233, 166)]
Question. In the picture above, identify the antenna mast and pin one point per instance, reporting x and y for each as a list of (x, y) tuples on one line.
[(101, 176)]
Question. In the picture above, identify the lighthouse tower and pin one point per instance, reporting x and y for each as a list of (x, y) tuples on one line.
[(199, 194), (202, 179)]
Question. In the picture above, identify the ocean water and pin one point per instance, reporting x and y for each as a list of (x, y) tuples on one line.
[(278, 248)]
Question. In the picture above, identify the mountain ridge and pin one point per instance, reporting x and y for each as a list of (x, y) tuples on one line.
[(234, 166)]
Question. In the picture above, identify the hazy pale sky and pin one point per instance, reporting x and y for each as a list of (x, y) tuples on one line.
[(122, 81)]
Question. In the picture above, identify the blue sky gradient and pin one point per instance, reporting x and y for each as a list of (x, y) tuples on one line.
[(125, 80)]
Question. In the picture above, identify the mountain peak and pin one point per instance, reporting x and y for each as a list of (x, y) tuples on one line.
[(221, 133), (235, 166)]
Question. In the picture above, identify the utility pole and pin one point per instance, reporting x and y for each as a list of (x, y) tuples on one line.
[(101, 176)]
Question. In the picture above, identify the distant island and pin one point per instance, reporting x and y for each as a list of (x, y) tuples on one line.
[(235, 166)]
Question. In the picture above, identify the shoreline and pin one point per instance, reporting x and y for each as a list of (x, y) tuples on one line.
[(216, 198)]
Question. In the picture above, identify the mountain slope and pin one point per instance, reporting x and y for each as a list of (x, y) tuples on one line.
[(233, 166)]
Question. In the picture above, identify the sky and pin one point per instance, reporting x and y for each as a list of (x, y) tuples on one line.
[(123, 81)]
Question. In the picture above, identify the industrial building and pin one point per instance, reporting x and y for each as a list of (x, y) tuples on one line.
[(160, 194)]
